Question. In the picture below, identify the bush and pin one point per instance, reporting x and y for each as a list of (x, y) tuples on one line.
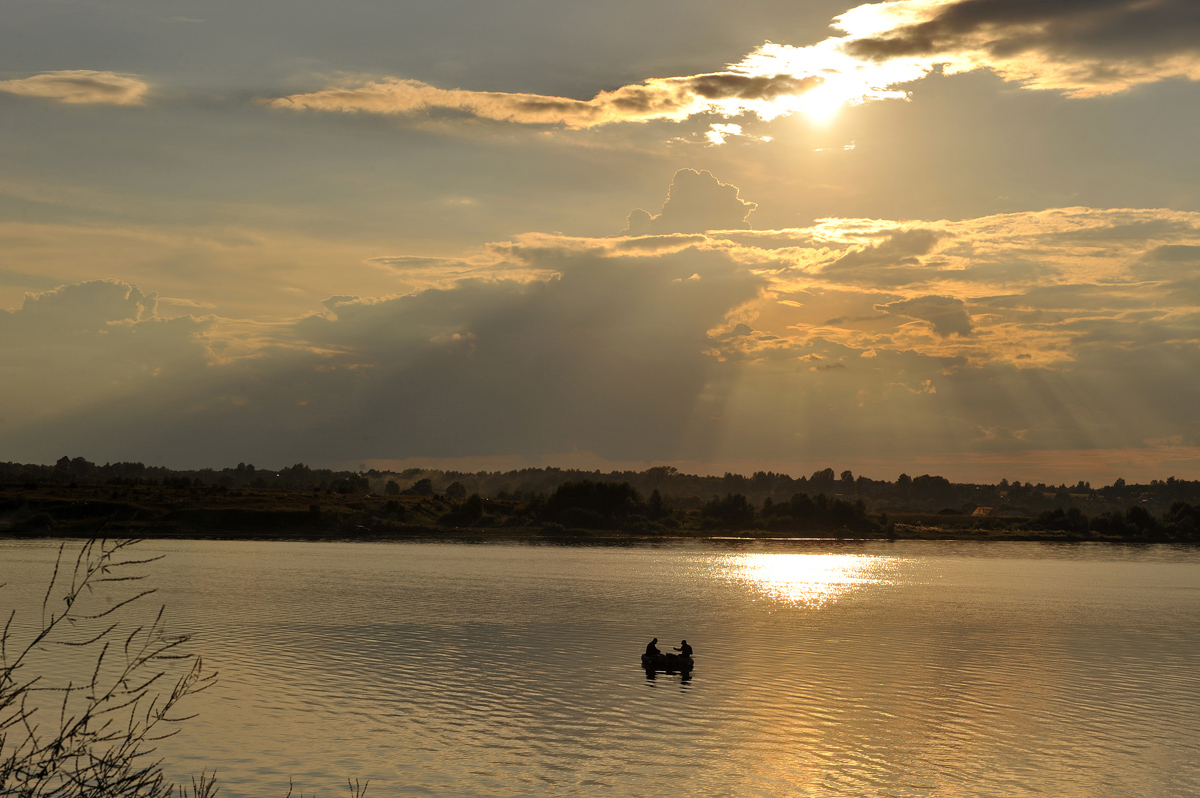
[(94, 737), (593, 505), (97, 740)]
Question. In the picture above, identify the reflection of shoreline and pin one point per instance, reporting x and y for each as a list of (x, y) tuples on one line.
[(565, 537)]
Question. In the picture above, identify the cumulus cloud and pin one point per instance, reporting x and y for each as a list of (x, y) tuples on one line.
[(81, 86), (1082, 49), (79, 343), (81, 307), (696, 202), (608, 355), (1061, 330)]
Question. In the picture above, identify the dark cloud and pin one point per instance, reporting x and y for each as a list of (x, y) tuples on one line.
[(696, 202), (1173, 263), (1141, 28), (1174, 253), (947, 315), (610, 356), (892, 262), (729, 85), (900, 248), (1083, 47)]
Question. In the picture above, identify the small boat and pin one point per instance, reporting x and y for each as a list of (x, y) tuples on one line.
[(667, 662)]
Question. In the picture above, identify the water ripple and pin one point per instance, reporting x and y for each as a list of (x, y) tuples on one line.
[(822, 669)]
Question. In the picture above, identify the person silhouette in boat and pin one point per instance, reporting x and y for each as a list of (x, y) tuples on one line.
[(684, 649), (652, 648)]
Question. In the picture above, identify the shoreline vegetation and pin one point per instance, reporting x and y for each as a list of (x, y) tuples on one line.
[(91, 730), (78, 499)]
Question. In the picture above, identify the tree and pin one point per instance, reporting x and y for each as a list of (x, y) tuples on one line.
[(598, 502), (732, 510), (657, 508)]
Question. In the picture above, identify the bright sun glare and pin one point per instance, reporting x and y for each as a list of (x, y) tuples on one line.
[(821, 104), (812, 579)]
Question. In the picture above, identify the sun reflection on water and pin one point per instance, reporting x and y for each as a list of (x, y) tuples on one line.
[(810, 579)]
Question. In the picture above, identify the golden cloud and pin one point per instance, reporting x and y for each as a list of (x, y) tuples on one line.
[(81, 87), (675, 99), (1080, 49)]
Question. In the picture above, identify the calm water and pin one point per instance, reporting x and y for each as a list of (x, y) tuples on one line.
[(512, 670)]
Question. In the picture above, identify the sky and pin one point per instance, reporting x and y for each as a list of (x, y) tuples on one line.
[(958, 237)]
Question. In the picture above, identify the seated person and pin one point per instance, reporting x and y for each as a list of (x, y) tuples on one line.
[(652, 649), (684, 649)]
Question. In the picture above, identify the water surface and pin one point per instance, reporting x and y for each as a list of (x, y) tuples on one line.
[(856, 669)]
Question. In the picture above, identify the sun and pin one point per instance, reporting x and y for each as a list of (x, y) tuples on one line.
[(821, 104)]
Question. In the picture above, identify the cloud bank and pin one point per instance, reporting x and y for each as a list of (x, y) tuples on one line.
[(1082, 49), (873, 343), (81, 87)]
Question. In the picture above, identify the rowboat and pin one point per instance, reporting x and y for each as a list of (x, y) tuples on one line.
[(667, 662)]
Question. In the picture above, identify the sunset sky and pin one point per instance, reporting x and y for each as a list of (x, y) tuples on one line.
[(946, 236)]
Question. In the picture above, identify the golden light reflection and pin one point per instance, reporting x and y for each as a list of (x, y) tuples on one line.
[(811, 579)]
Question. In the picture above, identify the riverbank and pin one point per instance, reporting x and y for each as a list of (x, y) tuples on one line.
[(218, 514)]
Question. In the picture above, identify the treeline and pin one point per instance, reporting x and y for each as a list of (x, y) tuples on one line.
[(762, 491), (590, 505), (619, 506), (80, 471), (1181, 523)]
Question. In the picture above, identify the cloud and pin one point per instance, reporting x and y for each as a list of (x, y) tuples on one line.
[(82, 307), (947, 315), (727, 93), (892, 262), (696, 202), (81, 86), (606, 355), (1082, 49), (1058, 330), (80, 343)]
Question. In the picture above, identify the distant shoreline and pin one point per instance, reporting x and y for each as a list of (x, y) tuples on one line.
[(567, 537), (569, 517)]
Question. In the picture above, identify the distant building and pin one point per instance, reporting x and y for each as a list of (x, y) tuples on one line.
[(999, 512)]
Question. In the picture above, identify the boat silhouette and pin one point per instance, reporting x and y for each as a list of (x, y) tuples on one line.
[(667, 662)]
